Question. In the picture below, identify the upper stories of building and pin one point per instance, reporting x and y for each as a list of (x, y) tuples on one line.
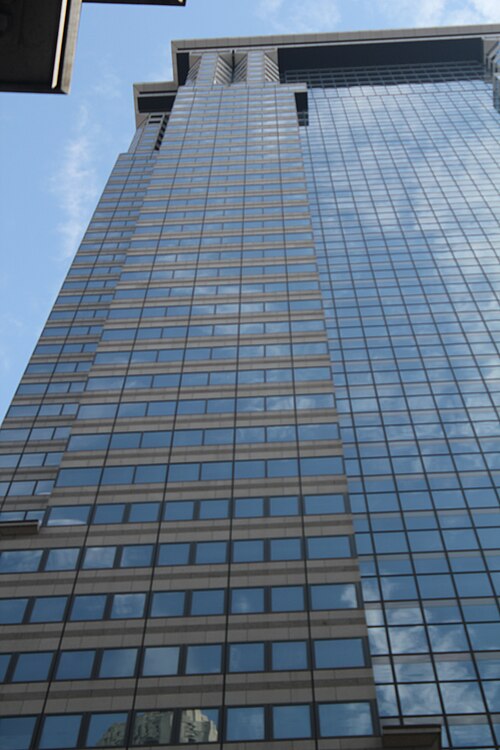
[(353, 49)]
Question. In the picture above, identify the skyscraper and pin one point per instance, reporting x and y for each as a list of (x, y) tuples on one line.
[(249, 478)]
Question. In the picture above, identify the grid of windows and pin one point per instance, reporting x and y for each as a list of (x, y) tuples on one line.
[(403, 175)]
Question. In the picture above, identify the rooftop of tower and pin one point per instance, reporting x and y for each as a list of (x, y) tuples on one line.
[(332, 50)]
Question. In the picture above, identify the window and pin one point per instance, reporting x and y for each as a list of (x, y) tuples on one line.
[(339, 653), (160, 661), (345, 719), (168, 604), (16, 732), (118, 662), (289, 655), (107, 730), (152, 723), (244, 724), (60, 732), (203, 659), (247, 600), (246, 657), (75, 665), (31, 667), (291, 722)]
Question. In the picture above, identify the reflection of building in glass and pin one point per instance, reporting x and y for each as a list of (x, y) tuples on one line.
[(152, 728), (114, 736), (197, 727)]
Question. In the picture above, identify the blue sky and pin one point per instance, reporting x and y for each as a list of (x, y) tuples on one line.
[(56, 152)]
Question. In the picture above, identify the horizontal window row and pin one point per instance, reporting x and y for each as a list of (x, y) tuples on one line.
[(97, 270), (196, 379), (160, 661), (435, 585), (89, 285), (207, 240), (26, 434), (83, 299), (163, 439), (429, 541), (71, 331), (185, 726), (193, 354), (30, 487), (228, 308), (416, 639), (56, 368), (42, 410), (29, 460), (182, 553), (223, 255), (423, 669), (196, 472), (181, 311), (88, 607), (219, 273), (219, 329), (182, 510), (58, 386), (218, 290), (101, 257), (203, 406), (72, 348)]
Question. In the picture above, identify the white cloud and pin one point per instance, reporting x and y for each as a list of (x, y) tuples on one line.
[(299, 16), (75, 182), (439, 12)]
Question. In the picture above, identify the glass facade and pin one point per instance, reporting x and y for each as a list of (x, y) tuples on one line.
[(247, 481), (403, 183)]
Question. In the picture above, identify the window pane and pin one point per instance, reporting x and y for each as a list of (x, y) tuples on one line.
[(109, 513), (199, 725), (336, 654), (62, 559), (327, 547), (286, 549), (60, 732), (211, 553), (173, 554), (143, 512), (207, 602), (245, 724), (152, 728), (136, 556), (246, 657), (291, 722), (345, 719), (32, 667), (75, 665), (99, 557), (106, 730), (20, 561), (48, 609), (247, 600), (287, 599), (118, 662), (203, 659), (160, 661), (88, 607), (12, 610), (319, 504), (128, 605), (16, 732), (182, 511), (248, 551), (67, 516), (289, 655), (334, 596), (168, 604)]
